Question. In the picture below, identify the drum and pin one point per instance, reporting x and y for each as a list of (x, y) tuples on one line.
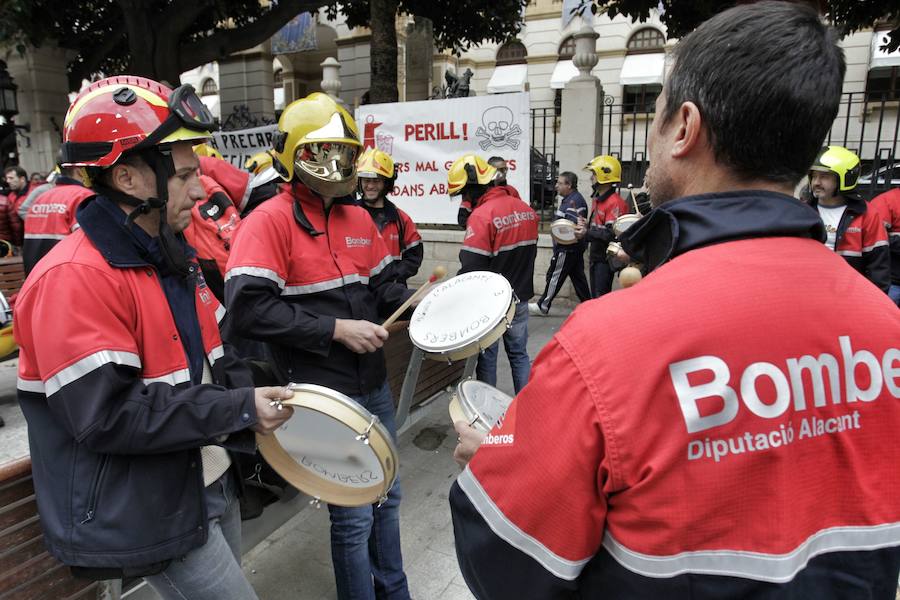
[(478, 404), (463, 315), (332, 448), (622, 223), (563, 232)]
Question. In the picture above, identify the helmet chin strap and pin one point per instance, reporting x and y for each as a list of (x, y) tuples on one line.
[(173, 249), (160, 161)]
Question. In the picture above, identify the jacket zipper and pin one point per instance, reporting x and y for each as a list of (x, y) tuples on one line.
[(95, 490)]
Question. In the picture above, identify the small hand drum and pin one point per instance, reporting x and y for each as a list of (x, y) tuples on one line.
[(463, 315), (332, 448), (563, 232), (478, 404)]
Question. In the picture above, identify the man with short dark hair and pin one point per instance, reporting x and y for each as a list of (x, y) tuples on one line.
[(725, 428), (20, 187), (855, 231), (568, 259)]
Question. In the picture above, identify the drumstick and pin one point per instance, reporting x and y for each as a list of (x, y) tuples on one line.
[(436, 275)]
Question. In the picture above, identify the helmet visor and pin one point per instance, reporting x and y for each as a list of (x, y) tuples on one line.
[(186, 105), (328, 161)]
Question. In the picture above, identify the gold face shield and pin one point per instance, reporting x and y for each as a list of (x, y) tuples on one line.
[(328, 162)]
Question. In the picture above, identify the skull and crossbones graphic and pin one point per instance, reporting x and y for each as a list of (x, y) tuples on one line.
[(499, 129)]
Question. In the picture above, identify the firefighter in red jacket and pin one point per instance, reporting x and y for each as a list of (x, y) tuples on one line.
[(501, 236), (606, 172), (19, 188), (214, 222), (376, 180), (854, 231), (888, 204), (51, 217), (725, 428), (310, 275), (126, 391)]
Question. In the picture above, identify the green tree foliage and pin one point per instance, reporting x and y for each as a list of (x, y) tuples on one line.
[(154, 38)]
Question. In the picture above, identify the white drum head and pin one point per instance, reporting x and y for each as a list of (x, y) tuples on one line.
[(622, 223), (563, 231), (481, 404), (318, 451), (460, 311)]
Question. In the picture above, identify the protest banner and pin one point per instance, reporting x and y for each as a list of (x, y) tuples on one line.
[(424, 138), (239, 145)]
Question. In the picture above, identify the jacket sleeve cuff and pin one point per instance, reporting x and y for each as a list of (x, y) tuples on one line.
[(326, 335), (244, 403)]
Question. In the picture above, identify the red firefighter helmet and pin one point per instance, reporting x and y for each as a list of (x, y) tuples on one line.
[(124, 113)]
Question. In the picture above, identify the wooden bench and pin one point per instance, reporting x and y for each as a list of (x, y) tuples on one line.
[(12, 275), (27, 571), (415, 381)]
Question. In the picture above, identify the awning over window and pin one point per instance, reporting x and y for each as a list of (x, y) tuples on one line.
[(562, 73), (881, 58), (508, 78), (643, 69)]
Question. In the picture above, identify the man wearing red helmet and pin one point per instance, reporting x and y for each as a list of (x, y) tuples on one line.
[(130, 396)]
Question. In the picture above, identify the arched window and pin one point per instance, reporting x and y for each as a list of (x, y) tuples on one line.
[(648, 39), (641, 97), (567, 48), (209, 88), (512, 53)]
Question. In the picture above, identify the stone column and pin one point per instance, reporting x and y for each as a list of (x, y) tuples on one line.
[(331, 79), (247, 78), (582, 101), (43, 102)]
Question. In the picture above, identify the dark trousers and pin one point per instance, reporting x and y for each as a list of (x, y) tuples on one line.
[(562, 265), (601, 278)]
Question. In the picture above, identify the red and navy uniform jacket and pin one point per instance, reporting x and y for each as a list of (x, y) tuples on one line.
[(10, 225), (16, 199), (295, 268), (718, 447), (501, 236), (115, 424), (465, 207), (863, 242), (237, 184), (571, 208), (606, 209), (888, 204), (214, 221), (51, 218), (401, 237)]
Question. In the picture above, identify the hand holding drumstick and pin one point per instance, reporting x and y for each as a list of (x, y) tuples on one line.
[(439, 272)]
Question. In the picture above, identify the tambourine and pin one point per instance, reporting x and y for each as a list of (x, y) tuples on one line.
[(478, 404), (332, 448), (463, 315), (563, 232)]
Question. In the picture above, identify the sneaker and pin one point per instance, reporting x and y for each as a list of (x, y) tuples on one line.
[(535, 310)]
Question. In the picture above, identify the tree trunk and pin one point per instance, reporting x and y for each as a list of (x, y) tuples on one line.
[(383, 51)]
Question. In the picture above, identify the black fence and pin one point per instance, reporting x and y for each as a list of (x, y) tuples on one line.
[(870, 128)]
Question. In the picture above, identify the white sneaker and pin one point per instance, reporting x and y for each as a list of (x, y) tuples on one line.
[(535, 310)]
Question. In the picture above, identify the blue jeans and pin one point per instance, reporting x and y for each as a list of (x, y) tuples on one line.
[(515, 340), (894, 293), (365, 540), (212, 571)]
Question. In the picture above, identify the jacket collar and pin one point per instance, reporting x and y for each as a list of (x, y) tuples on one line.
[(122, 244), (493, 192), (853, 201), (389, 209), (696, 221), (63, 180)]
